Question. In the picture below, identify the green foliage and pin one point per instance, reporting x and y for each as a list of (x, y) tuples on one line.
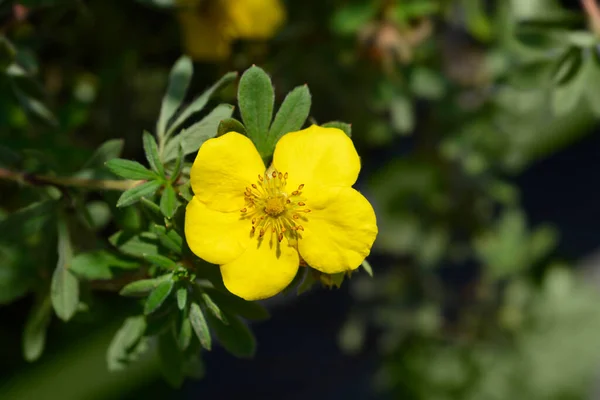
[(291, 115), (64, 290), (127, 344), (465, 298), (179, 81), (34, 333), (198, 322), (256, 99), (230, 125), (347, 128), (157, 297), (100, 264), (135, 194), (129, 169)]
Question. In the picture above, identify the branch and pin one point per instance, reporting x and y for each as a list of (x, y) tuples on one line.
[(44, 180), (593, 12)]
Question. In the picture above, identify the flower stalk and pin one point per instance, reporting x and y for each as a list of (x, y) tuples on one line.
[(62, 182)]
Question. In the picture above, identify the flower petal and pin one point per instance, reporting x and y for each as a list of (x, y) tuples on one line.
[(318, 158), (223, 168), (339, 237), (215, 236), (263, 270)]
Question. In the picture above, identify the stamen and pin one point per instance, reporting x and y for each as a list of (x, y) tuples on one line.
[(272, 208)]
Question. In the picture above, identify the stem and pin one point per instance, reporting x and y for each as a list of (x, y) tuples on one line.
[(593, 12), (44, 180)]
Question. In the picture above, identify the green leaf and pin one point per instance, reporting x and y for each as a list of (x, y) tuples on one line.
[(64, 289), (185, 334), (293, 285), (352, 17), (427, 83), (33, 105), (179, 80), (592, 74), (109, 150), (213, 308), (97, 264), (34, 334), (583, 39), (135, 245), (256, 99), (367, 267), (230, 125), (200, 326), (567, 66), (158, 296), (235, 337), (185, 191), (238, 306), (351, 337), (193, 137), (307, 283), (200, 102), (151, 151), (402, 113), (160, 261), (170, 239), (152, 211), (171, 358), (168, 202), (125, 343), (129, 169), (292, 114), (182, 295), (346, 128), (178, 166), (144, 286), (135, 194)]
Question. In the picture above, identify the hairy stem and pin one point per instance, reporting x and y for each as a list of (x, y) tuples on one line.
[(44, 180)]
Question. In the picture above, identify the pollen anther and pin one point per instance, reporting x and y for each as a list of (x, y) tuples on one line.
[(272, 208)]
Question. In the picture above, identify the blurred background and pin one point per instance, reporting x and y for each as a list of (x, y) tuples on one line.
[(477, 125)]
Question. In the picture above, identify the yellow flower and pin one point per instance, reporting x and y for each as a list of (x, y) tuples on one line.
[(258, 225), (210, 26)]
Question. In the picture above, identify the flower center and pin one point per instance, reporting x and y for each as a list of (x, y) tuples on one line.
[(273, 208)]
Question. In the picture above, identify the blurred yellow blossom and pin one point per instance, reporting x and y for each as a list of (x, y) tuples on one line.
[(210, 26)]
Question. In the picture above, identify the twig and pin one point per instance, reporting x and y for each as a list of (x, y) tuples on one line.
[(61, 182), (593, 11)]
